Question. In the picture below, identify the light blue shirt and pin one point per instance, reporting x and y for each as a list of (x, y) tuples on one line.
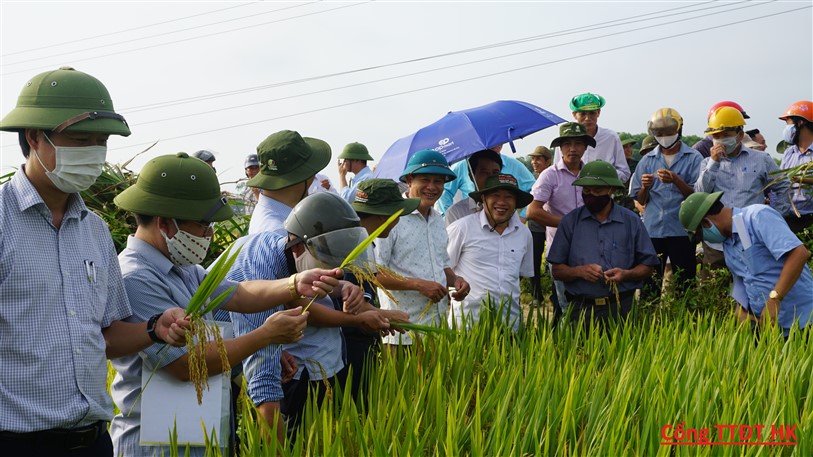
[(269, 216), (349, 192), (802, 199), (463, 183), (661, 215), (756, 269), (153, 284), (742, 178), (54, 374)]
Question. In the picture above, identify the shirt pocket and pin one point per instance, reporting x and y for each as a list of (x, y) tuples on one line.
[(94, 278)]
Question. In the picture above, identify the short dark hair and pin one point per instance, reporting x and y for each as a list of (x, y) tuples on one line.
[(488, 154), (715, 208), (143, 220), (752, 132)]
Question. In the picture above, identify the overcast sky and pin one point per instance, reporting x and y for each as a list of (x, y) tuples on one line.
[(275, 61)]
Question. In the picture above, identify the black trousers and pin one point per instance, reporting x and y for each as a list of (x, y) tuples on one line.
[(681, 251), (102, 447), (361, 352), (536, 280), (296, 393), (599, 315)]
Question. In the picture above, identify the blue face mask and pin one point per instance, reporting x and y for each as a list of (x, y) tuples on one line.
[(789, 133), (712, 234)]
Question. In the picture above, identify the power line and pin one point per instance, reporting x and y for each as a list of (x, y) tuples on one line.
[(63, 43), (473, 78), (191, 38), (447, 67)]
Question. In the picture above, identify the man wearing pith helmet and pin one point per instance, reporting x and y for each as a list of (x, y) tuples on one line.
[(799, 134), (58, 268), (175, 201), (599, 244), (772, 282), (492, 248), (416, 250), (353, 159), (586, 110)]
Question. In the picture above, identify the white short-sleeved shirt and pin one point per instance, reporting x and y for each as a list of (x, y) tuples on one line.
[(492, 263)]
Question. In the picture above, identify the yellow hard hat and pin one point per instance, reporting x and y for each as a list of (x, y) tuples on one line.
[(725, 118)]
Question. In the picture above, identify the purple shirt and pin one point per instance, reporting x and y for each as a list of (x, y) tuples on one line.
[(802, 200), (554, 186)]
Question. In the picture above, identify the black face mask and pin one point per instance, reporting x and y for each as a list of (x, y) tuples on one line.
[(595, 203)]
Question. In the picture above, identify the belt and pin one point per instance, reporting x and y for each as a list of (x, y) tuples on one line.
[(598, 301), (67, 439)]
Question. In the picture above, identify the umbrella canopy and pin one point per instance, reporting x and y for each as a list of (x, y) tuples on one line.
[(460, 134)]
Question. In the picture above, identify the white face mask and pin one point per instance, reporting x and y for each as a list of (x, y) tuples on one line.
[(76, 168), (307, 261), (730, 143), (667, 142), (185, 248)]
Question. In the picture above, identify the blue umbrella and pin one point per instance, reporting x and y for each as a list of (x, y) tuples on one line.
[(460, 134)]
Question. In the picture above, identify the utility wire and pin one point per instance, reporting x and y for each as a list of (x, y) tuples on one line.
[(473, 78), (63, 43), (432, 70)]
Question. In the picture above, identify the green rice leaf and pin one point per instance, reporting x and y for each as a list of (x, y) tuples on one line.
[(210, 282), (363, 245)]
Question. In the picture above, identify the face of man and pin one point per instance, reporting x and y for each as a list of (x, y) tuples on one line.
[(628, 150), (572, 150), (43, 150), (587, 118), (428, 188), (539, 163), (728, 134), (500, 204), (252, 171), (484, 169), (759, 139)]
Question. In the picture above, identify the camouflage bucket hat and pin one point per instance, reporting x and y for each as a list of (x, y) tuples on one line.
[(176, 186), (65, 100), (382, 197), (286, 159), (572, 130), (507, 182)]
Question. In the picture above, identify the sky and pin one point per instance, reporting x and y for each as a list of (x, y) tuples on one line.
[(224, 75)]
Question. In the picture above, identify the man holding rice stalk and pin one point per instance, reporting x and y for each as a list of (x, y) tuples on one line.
[(772, 282), (415, 250), (492, 248), (799, 134), (58, 269), (601, 250), (175, 200)]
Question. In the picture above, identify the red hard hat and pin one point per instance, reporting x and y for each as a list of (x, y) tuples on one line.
[(803, 109), (734, 105)]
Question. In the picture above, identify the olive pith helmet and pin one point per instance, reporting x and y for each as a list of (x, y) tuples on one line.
[(598, 173), (382, 197), (176, 186), (541, 151), (428, 162), (65, 100), (695, 207), (506, 182), (648, 144), (628, 141), (664, 119), (356, 151), (286, 158), (586, 102), (573, 130), (725, 118)]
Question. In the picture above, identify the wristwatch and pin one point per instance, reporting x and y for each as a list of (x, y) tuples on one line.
[(774, 295), (151, 329)]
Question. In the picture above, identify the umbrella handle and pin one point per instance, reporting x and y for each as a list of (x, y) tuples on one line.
[(511, 140)]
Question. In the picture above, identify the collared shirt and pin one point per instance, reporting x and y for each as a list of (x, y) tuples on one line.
[(463, 183), (349, 192), (415, 248), (555, 188), (154, 284), (609, 149), (460, 210), (269, 216), (756, 261), (316, 186), (320, 350), (67, 282), (621, 241), (661, 215), (742, 178), (802, 199), (492, 263)]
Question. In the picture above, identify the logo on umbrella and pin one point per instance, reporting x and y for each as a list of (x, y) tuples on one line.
[(443, 142)]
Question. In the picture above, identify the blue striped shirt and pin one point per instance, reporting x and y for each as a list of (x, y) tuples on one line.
[(263, 257), (742, 178), (661, 215), (54, 375), (269, 216), (802, 199)]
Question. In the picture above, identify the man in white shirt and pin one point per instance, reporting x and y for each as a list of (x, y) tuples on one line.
[(493, 249)]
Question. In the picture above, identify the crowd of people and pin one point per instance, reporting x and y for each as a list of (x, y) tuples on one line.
[(301, 325)]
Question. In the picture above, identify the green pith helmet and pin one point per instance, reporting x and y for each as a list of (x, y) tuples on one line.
[(356, 151), (695, 207), (628, 141), (648, 144), (586, 102), (428, 162), (573, 130), (65, 100), (176, 186), (287, 159), (541, 151), (382, 197), (598, 173), (507, 182)]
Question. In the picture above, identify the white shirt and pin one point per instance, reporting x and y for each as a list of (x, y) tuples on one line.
[(415, 248), (269, 216), (608, 148), (316, 186), (492, 263), (461, 209)]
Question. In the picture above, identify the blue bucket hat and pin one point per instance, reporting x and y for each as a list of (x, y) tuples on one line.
[(428, 162)]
